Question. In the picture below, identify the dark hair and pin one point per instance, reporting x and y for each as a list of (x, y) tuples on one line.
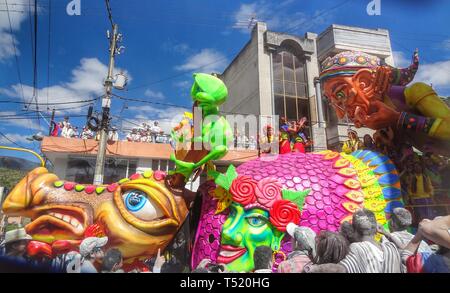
[(364, 222), (169, 267), (215, 268), (112, 257), (347, 231), (262, 257), (200, 271), (331, 247)]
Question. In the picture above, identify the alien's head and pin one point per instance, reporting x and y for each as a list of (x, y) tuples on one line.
[(208, 91)]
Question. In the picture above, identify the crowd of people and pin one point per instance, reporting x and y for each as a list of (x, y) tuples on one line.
[(424, 191), (145, 133), (362, 246)]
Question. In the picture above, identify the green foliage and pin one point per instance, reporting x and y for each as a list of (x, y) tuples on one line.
[(226, 179), (297, 197), (9, 177)]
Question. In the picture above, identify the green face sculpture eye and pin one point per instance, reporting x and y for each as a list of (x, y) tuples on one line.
[(256, 220)]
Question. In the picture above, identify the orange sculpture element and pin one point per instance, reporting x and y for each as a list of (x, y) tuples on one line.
[(341, 163), (356, 196), (331, 156), (351, 207), (352, 183), (58, 214), (347, 172)]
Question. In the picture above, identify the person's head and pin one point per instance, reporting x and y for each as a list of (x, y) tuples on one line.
[(347, 231), (331, 247), (418, 168), (91, 248), (400, 220), (368, 141), (156, 123), (262, 257), (364, 223), (352, 134), (112, 261), (304, 238), (200, 271), (16, 241), (283, 120)]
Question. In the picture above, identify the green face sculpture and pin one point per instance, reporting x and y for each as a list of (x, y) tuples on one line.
[(242, 232)]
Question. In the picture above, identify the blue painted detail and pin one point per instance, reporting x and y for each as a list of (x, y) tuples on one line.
[(391, 192), (390, 206), (362, 154), (384, 168), (370, 156), (388, 179), (356, 153), (377, 161)]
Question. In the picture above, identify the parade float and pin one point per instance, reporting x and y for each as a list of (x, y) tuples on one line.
[(252, 204)]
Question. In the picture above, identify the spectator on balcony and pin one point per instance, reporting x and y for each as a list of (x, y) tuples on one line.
[(113, 135), (87, 133), (155, 131), (71, 132)]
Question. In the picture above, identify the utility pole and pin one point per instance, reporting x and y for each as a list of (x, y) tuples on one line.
[(106, 105)]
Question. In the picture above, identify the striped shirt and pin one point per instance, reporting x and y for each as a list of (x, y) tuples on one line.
[(365, 257), (404, 237)]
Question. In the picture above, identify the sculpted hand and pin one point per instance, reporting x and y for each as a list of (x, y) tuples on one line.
[(381, 116)]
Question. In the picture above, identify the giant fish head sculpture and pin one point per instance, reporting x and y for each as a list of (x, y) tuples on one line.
[(138, 214)]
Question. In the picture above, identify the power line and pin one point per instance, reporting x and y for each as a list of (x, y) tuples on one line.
[(108, 8), (10, 140), (15, 50), (147, 102), (49, 47), (56, 103), (181, 74)]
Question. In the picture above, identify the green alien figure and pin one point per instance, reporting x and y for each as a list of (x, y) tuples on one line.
[(208, 92)]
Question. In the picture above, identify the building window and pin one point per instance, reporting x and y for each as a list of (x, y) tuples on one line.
[(290, 86), (81, 169)]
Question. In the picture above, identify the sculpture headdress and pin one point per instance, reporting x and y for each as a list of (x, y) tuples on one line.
[(348, 63)]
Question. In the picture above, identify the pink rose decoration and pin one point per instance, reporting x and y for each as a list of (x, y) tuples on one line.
[(268, 191)]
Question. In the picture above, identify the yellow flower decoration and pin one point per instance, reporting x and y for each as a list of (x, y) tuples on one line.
[(223, 199)]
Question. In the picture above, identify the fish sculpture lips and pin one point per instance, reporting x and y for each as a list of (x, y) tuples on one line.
[(58, 222)]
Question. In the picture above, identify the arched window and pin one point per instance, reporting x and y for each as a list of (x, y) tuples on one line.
[(290, 86)]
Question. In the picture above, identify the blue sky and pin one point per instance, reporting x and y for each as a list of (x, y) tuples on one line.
[(168, 40)]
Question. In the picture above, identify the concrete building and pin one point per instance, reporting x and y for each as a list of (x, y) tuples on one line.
[(276, 74)]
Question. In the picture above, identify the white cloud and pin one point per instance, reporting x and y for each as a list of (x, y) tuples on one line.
[(175, 47), (446, 44), (22, 123), (184, 84), (400, 60), (208, 60), (276, 18), (437, 73), (18, 12), (154, 95), (17, 138), (168, 117), (85, 83)]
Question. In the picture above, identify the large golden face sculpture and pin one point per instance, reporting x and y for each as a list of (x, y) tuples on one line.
[(138, 214)]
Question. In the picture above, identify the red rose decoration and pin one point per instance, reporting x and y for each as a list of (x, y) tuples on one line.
[(284, 212), (243, 190)]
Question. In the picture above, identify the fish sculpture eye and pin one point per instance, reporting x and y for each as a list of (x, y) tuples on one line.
[(141, 206)]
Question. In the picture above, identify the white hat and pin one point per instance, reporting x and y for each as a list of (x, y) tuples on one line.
[(90, 243), (16, 235)]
